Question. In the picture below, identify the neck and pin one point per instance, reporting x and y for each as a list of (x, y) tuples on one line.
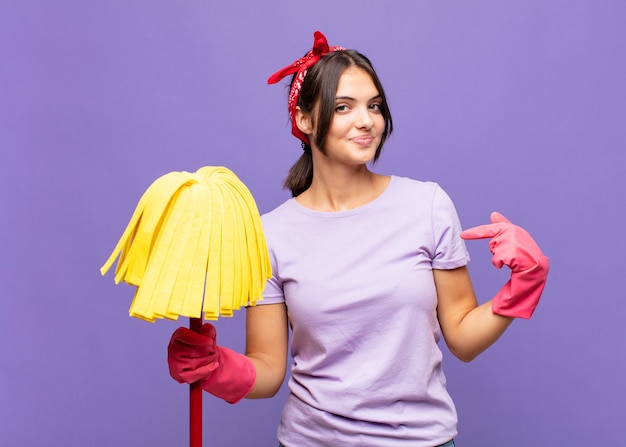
[(342, 189)]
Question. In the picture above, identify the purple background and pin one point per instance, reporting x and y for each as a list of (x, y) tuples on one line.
[(514, 106)]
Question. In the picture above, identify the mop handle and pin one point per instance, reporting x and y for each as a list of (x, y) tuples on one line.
[(195, 400)]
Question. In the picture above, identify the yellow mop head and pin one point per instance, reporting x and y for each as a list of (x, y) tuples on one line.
[(193, 235)]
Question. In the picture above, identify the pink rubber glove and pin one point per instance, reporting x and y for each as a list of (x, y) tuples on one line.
[(193, 356), (513, 246)]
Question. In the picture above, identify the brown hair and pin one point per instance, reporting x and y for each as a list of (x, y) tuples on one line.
[(320, 86)]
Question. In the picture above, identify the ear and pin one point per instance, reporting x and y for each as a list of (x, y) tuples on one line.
[(304, 122)]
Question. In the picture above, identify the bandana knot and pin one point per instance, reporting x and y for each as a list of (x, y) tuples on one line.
[(300, 68)]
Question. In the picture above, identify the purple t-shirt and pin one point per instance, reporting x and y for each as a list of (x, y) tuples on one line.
[(361, 300)]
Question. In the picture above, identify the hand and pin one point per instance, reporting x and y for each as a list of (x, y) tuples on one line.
[(510, 245), (513, 246), (192, 356)]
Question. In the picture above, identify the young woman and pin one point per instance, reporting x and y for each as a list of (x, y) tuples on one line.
[(369, 271)]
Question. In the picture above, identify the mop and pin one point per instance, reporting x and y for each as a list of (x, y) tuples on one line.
[(194, 247)]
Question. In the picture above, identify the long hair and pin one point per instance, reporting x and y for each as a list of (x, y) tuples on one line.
[(320, 86)]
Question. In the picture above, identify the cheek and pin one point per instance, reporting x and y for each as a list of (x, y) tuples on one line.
[(379, 120), (339, 125)]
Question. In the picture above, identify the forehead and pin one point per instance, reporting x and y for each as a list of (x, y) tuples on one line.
[(355, 83)]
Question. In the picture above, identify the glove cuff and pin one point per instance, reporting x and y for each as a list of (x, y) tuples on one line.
[(233, 379), (519, 297)]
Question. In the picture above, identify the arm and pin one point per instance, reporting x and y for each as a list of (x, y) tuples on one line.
[(467, 328), (267, 339)]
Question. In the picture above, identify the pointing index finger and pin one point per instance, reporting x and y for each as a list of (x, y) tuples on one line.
[(481, 232)]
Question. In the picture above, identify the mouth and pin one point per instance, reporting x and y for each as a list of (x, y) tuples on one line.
[(363, 140)]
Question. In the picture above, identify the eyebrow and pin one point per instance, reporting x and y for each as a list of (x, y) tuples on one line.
[(349, 98)]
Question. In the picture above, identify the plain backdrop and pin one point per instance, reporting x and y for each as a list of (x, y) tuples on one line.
[(512, 106)]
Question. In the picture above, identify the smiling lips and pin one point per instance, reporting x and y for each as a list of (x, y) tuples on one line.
[(363, 140)]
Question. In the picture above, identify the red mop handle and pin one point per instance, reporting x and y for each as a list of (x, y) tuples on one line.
[(195, 400)]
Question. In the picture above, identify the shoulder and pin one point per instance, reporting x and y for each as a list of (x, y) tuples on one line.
[(411, 183), (421, 190), (281, 220), (278, 212)]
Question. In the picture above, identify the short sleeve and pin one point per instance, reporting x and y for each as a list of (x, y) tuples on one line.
[(273, 292), (449, 249)]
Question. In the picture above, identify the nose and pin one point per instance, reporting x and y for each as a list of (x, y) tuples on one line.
[(364, 119)]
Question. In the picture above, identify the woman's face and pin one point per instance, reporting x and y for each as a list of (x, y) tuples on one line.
[(357, 125)]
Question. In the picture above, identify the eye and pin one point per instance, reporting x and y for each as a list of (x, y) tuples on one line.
[(341, 108), (376, 106)]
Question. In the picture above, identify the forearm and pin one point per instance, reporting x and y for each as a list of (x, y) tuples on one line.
[(476, 331), (269, 377), (468, 328)]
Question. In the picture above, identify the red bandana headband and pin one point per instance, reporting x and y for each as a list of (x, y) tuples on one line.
[(300, 67)]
